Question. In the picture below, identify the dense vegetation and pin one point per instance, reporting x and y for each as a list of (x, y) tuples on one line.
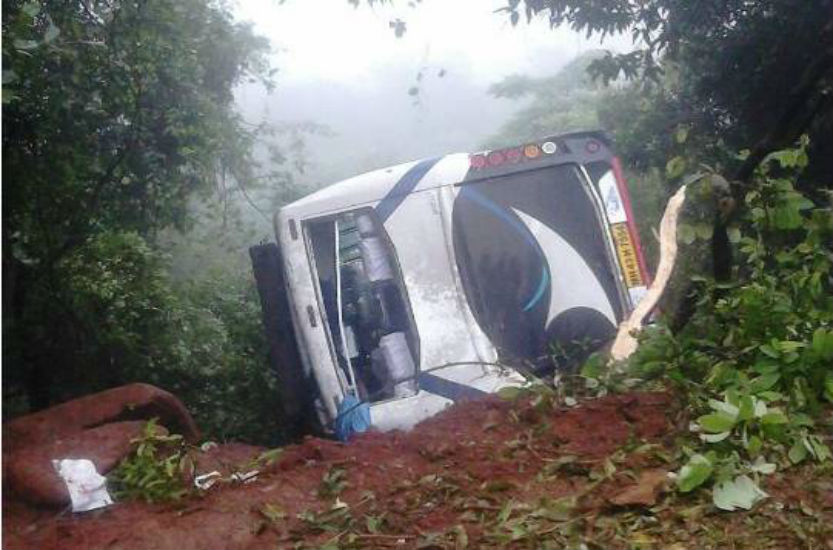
[(120, 143)]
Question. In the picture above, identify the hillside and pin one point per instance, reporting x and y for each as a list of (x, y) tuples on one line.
[(483, 474)]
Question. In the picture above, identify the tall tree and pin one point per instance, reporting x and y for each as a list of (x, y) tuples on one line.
[(115, 113), (754, 73)]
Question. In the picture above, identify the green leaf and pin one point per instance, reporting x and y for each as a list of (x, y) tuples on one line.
[(764, 382), (753, 447), (715, 438), (686, 234), (374, 523), (505, 512), (25, 44), (595, 366), (769, 351), (770, 396), (559, 509), (716, 422), (741, 492), (798, 452), (734, 234), (51, 33), (823, 343), (8, 96), (509, 393), (704, 231), (786, 216), (760, 408), (762, 466), (819, 449), (803, 203), (787, 158), (828, 387), (774, 417), (694, 473), (746, 410), (724, 407), (32, 9), (681, 134), (675, 168)]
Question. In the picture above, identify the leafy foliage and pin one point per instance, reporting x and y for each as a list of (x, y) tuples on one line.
[(739, 74), (755, 358), (119, 128), (201, 339), (120, 117), (222, 374), (156, 471)]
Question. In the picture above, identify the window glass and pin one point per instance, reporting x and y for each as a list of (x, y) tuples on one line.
[(535, 264), (366, 306)]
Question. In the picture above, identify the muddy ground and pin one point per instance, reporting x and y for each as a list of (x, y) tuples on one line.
[(488, 473)]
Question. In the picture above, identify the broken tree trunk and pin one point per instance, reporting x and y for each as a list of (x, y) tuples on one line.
[(625, 343)]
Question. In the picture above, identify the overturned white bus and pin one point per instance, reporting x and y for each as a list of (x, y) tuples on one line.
[(414, 286)]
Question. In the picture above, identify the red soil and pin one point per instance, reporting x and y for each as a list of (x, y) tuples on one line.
[(473, 457)]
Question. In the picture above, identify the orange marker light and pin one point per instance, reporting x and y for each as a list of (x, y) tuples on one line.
[(531, 151)]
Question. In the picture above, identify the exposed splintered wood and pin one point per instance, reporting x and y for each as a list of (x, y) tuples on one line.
[(625, 343)]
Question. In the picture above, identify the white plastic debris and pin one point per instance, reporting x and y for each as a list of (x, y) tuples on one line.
[(245, 477), (87, 488), (205, 481)]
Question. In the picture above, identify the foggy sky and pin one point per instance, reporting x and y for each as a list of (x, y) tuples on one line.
[(343, 67)]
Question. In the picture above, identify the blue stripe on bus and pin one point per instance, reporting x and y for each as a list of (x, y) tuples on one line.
[(405, 185), (448, 388)]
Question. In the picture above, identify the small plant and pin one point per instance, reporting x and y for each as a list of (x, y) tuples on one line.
[(333, 483), (155, 472), (336, 519)]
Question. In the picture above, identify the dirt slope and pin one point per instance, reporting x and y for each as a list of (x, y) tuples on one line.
[(482, 474)]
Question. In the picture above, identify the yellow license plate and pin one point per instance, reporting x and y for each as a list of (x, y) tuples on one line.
[(627, 254)]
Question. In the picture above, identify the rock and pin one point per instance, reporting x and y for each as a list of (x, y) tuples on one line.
[(130, 402), (29, 472), (644, 492)]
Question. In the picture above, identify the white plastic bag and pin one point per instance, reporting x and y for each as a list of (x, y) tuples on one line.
[(87, 488)]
